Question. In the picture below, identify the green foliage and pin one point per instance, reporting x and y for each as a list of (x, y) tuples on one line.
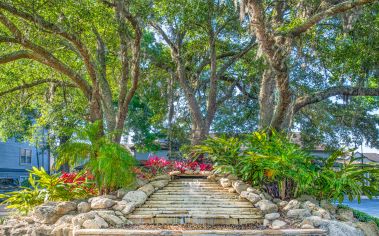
[(44, 187), (361, 216), (350, 179), (269, 160), (110, 163)]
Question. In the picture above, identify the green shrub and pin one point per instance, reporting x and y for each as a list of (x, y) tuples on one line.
[(110, 163), (269, 160), (44, 187)]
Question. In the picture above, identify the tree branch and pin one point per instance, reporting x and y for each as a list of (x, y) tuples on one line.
[(165, 37), (38, 20), (43, 56), (236, 57), (33, 84), (336, 9), (13, 56), (333, 91)]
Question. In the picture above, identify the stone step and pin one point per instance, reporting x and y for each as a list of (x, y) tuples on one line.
[(198, 198), (197, 219), (194, 202), (149, 205), (229, 232), (235, 214), (214, 209), (207, 193)]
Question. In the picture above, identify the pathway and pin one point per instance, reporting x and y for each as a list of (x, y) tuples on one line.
[(195, 201)]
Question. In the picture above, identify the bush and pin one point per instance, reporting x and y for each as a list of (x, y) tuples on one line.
[(45, 187), (269, 160), (110, 163)]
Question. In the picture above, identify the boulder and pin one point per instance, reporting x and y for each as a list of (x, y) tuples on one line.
[(335, 228), (266, 222), (120, 205), (46, 213), (161, 177), (102, 202), (278, 224), (43, 230), (96, 223), (225, 183), (293, 204), (138, 197), (110, 218), (265, 195), (253, 190), (307, 226), (66, 219), (159, 183), (276, 200), (60, 230), (369, 228), (140, 182), (80, 218), (239, 186), (309, 205), (328, 206), (148, 189), (298, 213), (84, 207), (266, 206), (129, 207), (121, 192), (282, 203), (64, 207), (175, 172), (272, 216), (345, 214), (321, 213), (253, 198), (206, 172), (189, 172), (231, 190)]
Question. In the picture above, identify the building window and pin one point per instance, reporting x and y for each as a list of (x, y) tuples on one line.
[(25, 156)]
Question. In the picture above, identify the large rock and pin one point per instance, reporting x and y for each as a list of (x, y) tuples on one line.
[(298, 213), (335, 228), (120, 205), (159, 183), (293, 204), (278, 224), (252, 197), (369, 228), (110, 218), (161, 177), (304, 198), (65, 207), (80, 218), (129, 207), (225, 182), (140, 182), (266, 206), (328, 206), (138, 197), (272, 216), (96, 223), (239, 186), (309, 205), (121, 192), (46, 213), (265, 195), (345, 214), (102, 203), (84, 207), (321, 212), (148, 189)]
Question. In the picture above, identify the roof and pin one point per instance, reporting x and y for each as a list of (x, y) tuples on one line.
[(372, 156)]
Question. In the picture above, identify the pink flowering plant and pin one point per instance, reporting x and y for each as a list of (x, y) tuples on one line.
[(159, 165)]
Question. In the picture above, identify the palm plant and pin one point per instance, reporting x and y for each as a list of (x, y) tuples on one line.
[(110, 163)]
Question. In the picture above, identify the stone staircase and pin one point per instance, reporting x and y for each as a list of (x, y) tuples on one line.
[(195, 201)]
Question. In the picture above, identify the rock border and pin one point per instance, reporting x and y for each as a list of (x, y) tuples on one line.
[(100, 212)]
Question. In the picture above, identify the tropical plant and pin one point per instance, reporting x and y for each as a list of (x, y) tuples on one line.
[(45, 187), (269, 160), (110, 163), (349, 179)]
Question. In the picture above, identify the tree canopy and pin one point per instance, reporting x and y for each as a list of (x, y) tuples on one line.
[(180, 70)]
